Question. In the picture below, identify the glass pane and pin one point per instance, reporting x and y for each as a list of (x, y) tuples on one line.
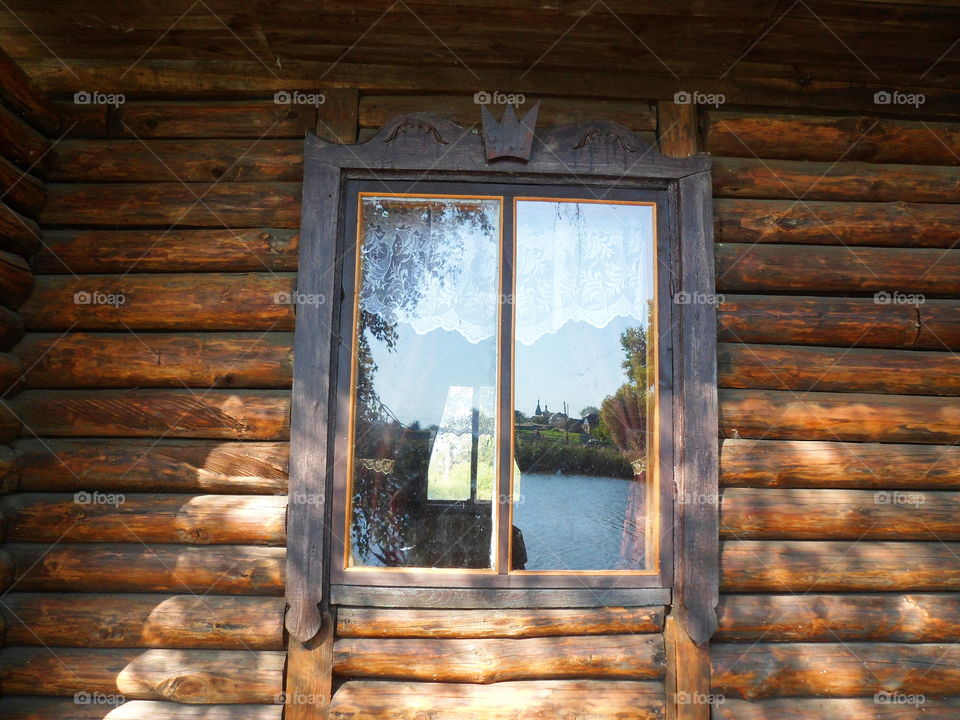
[(424, 410), (584, 379)]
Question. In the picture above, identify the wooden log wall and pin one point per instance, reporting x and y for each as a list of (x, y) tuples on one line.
[(837, 262), (163, 398)]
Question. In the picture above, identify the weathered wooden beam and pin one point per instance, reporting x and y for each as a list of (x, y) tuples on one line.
[(201, 360), (599, 699), (32, 707), (767, 566), (11, 373), (166, 465), (773, 414), (18, 234), (223, 569), (834, 670), (212, 622), (16, 280), (829, 138), (189, 161), (95, 516), (841, 322), (793, 514), (519, 623), (889, 272), (614, 657), (894, 224), (309, 678), (236, 204), (338, 115), (186, 301), (150, 251), (21, 190), (166, 413), (795, 180), (495, 598), (913, 618), (805, 368), (25, 97), (791, 463), (187, 676), (846, 708), (23, 145)]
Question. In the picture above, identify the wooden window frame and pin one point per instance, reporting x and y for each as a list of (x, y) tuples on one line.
[(418, 150)]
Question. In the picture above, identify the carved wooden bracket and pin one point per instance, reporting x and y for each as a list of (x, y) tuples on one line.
[(510, 138)]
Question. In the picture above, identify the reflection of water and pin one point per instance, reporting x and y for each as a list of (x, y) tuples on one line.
[(572, 522)]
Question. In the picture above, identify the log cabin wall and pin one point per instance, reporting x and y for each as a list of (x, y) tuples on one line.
[(838, 380)]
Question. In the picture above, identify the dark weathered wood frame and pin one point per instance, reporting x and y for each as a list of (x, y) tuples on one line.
[(415, 147)]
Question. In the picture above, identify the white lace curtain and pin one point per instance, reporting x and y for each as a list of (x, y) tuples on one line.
[(434, 263)]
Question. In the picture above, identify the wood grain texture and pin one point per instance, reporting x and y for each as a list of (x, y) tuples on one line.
[(792, 514), (893, 224), (32, 707), (847, 708), (18, 234), (772, 414), (530, 700), (186, 676), (16, 280), (904, 618), (21, 144), (788, 463), (235, 204), (516, 623), (207, 466), (153, 251), (25, 97), (168, 518), (834, 670), (212, 622), (197, 360), (838, 566), (223, 569), (759, 268), (309, 677), (495, 598), (623, 657), (166, 413), (21, 190), (184, 301), (805, 368)]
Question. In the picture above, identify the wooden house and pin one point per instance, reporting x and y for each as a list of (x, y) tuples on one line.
[(199, 525)]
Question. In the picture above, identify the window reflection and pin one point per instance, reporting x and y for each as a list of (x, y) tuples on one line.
[(584, 384), (424, 417)]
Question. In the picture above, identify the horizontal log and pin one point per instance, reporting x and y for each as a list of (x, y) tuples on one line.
[(254, 301), (11, 373), (199, 360), (9, 469), (794, 566), (377, 110), (623, 657), (119, 161), (26, 98), (793, 180), (789, 463), (212, 622), (890, 272), (18, 234), (186, 676), (410, 623), (829, 138), (842, 322), (23, 145), (150, 466), (240, 204), (16, 280), (804, 368), (48, 708), (536, 700), (95, 516), (167, 413), (20, 190), (846, 708), (495, 598), (151, 251), (778, 514), (774, 414), (914, 618), (252, 119), (133, 567), (834, 670), (894, 224)]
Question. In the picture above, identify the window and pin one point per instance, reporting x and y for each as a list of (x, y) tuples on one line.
[(492, 398)]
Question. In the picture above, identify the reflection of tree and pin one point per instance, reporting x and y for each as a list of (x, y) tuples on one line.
[(624, 414)]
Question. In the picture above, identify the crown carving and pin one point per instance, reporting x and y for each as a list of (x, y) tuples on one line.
[(510, 137)]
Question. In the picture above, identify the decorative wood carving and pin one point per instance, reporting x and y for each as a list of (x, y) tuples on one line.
[(509, 137)]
